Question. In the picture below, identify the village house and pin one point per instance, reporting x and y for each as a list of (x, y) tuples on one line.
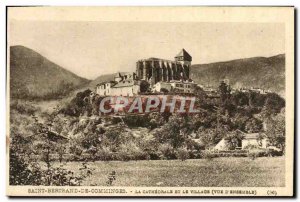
[(253, 139), (222, 145), (178, 86), (255, 90), (125, 84), (259, 90)]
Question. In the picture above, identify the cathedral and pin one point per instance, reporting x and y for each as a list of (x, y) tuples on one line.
[(155, 70), (159, 73)]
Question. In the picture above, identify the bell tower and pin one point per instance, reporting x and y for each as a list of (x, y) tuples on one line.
[(183, 57)]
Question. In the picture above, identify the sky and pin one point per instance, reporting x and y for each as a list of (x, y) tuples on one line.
[(93, 48)]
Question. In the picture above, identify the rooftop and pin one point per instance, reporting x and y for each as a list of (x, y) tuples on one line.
[(249, 136), (183, 53), (125, 83)]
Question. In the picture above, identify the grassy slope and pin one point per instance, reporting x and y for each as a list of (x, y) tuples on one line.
[(220, 172), (267, 73)]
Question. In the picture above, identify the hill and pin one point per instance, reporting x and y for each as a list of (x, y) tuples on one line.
[(35, 77), (267, 73), (100, 79)]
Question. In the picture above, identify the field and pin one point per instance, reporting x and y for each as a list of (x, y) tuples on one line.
[(219, 172)]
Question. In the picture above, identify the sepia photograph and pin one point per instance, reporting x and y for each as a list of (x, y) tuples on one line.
[(150, 101)]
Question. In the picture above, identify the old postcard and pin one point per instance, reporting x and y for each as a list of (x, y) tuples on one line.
[(150, 101)]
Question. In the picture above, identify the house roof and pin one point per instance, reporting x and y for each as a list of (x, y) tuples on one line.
[(105, 82), (121, 74), (118, 75), (125, 83), (183, 53), (152, 58), (199, 141), (249, 136), (127, 79)]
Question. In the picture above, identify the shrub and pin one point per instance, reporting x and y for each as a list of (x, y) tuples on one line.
[(130, 151), (155, 155), (273, 152), (62, 177), (252, 155), (77, 151), (167, 151), (111, 178), (231, 153), (124, 156), (193, 154), (104, 154), (251, 147), (164, 90), (20, 172), (23, 107), (206, 154), (136, 120), (182, 154)]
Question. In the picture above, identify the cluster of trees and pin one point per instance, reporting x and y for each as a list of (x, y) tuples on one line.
[(132, 137), (247, 112)]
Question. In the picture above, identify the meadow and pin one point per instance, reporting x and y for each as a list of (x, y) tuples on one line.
[(218, 172)]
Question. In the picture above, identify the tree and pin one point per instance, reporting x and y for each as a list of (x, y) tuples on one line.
[(164, 90), (276, 130), (224, 91), (144, 86), (91, 134), (114, 137), (234, 139), (172, 132), (240, 99), (78, 104), (256, 100), (46, 147), (200, 94), (273, 104), (19, 167), (253, 125), (61, 150), (167, 151)]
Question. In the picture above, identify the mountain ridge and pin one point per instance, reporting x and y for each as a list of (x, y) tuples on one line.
[(34, 76)]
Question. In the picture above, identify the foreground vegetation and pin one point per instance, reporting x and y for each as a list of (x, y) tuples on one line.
[(74, 131)]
